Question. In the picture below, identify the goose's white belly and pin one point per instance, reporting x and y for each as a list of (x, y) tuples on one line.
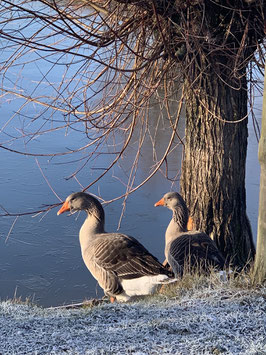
[(143, 286)]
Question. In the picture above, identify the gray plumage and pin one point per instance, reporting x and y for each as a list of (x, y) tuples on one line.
[(183, 248), (115, 260)]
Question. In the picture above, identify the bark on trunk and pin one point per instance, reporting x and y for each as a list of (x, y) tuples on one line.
[(213, 169), (260, 261)]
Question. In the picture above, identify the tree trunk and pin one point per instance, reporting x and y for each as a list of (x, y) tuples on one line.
[(213, 169), (260, 261)]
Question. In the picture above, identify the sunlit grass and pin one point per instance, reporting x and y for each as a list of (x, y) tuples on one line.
[(198, 280)]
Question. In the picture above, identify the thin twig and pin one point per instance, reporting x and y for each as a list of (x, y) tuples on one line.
[(11, 228)]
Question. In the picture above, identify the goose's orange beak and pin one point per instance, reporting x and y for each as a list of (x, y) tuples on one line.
[(64, 208), (159, 203)]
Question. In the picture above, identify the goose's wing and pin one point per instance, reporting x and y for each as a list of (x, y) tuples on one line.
[(196, 248), (126, 257)]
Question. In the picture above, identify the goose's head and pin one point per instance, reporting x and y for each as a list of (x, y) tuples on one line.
[(81, 201), (175, 202), (172, 200)]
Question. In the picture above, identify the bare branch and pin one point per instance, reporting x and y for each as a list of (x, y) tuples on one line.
[(114, 60)]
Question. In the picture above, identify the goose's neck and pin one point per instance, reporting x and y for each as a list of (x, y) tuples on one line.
[(180, 219), (91, 226), (177, 225)]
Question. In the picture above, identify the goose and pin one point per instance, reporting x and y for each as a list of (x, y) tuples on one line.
[(122, 266), (183, 247)]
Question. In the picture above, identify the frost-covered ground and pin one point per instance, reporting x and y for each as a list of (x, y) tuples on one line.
[(227, 321)]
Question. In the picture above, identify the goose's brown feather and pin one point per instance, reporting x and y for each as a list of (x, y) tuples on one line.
[(125, 256), (196, 250)]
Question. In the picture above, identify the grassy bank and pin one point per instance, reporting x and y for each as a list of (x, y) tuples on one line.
[(197, 316)]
